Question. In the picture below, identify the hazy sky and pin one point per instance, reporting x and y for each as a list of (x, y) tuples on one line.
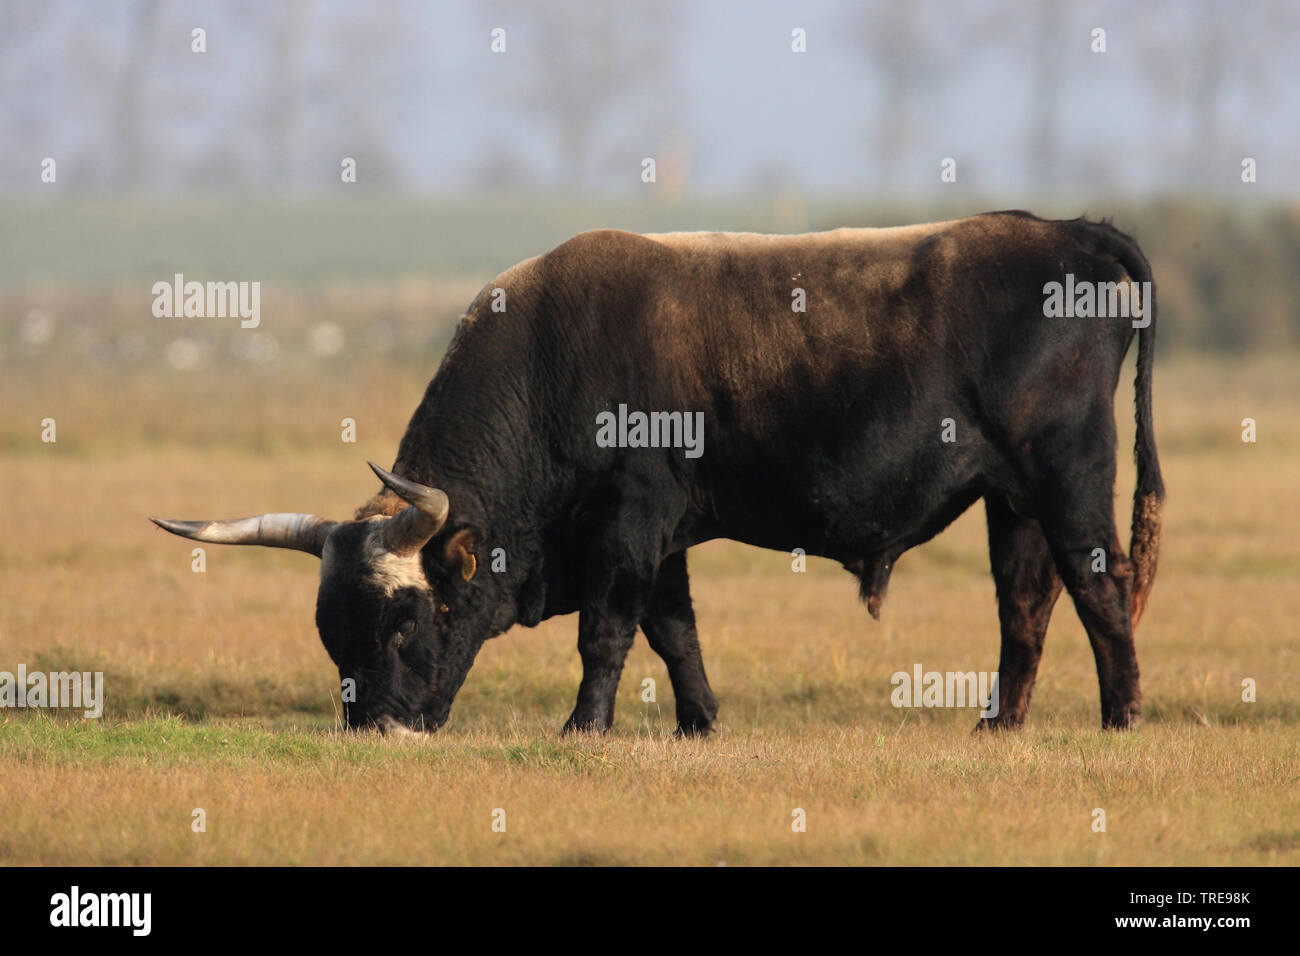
[(1013, 91)]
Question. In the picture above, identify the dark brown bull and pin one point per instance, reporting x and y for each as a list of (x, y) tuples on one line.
[(823, 430)]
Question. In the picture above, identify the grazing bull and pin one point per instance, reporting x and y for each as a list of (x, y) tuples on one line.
[(923, 374)]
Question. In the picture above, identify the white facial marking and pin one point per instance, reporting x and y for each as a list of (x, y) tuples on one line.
[(390, 571)]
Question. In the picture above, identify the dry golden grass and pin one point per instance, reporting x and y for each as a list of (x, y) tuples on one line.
[(220, 696)]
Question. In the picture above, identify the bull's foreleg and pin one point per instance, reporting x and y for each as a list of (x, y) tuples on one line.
[(618, 593), (1027, 589), (670, 627), (603, 643)]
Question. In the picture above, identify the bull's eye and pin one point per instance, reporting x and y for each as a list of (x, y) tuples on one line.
[(404, 630)]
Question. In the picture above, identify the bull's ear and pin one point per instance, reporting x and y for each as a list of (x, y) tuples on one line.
[(460, 553)]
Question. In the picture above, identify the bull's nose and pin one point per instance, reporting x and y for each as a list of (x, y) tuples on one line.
[(392, 727)]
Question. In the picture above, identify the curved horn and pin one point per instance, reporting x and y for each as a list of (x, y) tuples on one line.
[(410, 530), (298, 532)]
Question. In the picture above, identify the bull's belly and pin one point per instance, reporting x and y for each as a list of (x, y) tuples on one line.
[(866, 548), (850, 535)]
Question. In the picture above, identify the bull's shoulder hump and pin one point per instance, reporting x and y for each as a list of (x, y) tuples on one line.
[(595, 249), (597, 241)]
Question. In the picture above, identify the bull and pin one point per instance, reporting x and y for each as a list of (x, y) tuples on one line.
[(920, 375)]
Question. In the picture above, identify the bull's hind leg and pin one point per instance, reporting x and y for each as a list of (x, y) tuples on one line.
[(1080, 528), (670, 627), (1027, 589)]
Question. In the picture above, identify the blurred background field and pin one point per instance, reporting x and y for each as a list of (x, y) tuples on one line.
[(224, 166), (220, 696)]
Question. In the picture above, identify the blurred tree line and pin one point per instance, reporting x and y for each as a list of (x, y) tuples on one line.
[(1227, 278), (510, 154)]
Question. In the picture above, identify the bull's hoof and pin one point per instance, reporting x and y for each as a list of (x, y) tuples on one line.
[(1124, 717), (696, 720), (1000, 722), (693, 729), (576, 725)]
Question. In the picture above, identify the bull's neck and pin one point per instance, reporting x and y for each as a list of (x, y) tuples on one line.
[(473, 436), (476, 442)]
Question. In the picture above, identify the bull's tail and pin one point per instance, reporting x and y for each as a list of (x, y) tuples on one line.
[(1144, 545)]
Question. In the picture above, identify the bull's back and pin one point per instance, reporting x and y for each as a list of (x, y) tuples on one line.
[(827, 364)]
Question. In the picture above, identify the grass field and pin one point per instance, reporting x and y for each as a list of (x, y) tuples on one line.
[(219, 695)]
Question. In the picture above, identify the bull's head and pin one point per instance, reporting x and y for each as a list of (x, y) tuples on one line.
[(377, 611)]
